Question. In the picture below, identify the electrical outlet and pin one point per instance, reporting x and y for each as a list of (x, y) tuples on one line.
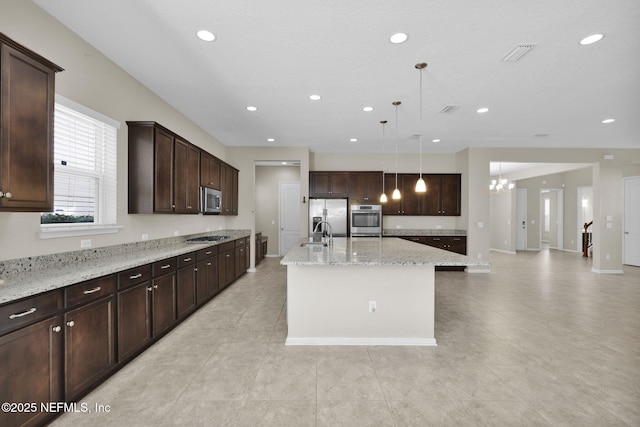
[(372, 307), (85, 244)]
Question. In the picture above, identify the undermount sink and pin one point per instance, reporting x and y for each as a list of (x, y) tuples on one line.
[(317, 244), (206, 239)]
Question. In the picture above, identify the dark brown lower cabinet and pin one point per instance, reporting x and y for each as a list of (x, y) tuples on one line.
[(31, 371), (134, 319), (90, 345), (207, 279), (163, 303), (226, 264), (186, 290)]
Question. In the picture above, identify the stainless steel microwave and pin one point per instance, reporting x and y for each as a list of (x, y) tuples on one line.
[(210, 201)]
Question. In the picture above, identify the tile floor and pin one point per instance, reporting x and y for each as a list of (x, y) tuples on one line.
[(539, 341)]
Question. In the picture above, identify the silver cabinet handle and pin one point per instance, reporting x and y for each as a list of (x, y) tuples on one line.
[(186, 259), (24, 313), (208, 263), (71, 323), (135, 276), (149, 288), (155, 286), (56, 329), (166, 266), (188, 207), (6, 195), (228, 255), (90, 291), (208, 253)]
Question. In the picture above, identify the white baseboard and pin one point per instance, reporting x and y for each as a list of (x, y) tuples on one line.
[(362, 341), (251, 270), (594, 270), (503, 251), (476, 270), (272, 256), (533, 249)]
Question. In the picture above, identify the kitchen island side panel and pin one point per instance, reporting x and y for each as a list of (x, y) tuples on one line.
[(329, 305)]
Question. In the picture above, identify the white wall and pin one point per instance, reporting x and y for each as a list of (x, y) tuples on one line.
[(93, 80)]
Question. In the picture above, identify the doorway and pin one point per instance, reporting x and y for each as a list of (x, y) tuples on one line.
[(585, 212), (289, 215), (632, 221), (552, 215), (521, 219)]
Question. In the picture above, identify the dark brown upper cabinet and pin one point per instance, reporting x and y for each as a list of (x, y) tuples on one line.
[(209, 171), (328, 184), (364, 187), (164, 171), (27, 90), (443, 197)]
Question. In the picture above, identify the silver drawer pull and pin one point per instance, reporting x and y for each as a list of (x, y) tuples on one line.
[(208, 263), (56, 329), (186, 259), (208, 253), (24, 313), (149, 288), (71, 323), (135, 276), (166, 266), (434, 239), (90, 291)]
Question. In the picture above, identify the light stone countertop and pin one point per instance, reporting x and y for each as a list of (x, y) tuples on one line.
[(33, 282), (423, 232), (375, 251)]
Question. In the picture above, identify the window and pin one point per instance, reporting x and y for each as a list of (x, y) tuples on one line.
[(85, 144)]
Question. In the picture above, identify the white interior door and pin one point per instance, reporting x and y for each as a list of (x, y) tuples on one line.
[(521, 219), (632, 221), (289, 215)]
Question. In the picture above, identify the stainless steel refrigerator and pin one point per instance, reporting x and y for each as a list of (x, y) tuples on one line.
[(334, 211)]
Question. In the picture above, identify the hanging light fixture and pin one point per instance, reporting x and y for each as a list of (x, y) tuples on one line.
[(500, 185), (383, 196), (396, 193), (421, 186)]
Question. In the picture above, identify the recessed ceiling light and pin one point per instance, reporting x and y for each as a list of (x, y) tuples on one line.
[(315, 97), (284, 163), (435, 140), (205, 35), (252, 108), (270, 140), (367, 109), (605, 121), (482, 110), (398, 38), (353, 140), (591, 39)]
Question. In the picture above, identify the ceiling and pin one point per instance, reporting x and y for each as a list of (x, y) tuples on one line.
[(274, 54)]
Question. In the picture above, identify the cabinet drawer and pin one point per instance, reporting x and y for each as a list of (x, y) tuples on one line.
[(89, 291), (206, 253), (164, 267), (240, 242), (227, 246), (186, 259), (19, 313), (134, 276)]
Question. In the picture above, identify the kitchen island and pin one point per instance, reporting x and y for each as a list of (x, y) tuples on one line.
[(364, 291)]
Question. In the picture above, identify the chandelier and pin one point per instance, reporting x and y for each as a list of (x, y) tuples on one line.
[(501, 184)]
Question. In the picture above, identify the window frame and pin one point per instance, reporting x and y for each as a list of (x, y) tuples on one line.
[(48, 231)]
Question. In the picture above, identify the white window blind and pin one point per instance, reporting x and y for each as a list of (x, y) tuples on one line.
[(84, 167)]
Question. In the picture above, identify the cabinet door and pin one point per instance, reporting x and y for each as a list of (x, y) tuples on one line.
[(392, 207), (186, 291), (411, 201), (234, 192), (163, 303), (450, 197), (163, 172), (373, 187), (328, 184), (134, 319), (227, 268), (26, 123), (207, 279), (240, 261), (432, 197), (89, 345), (226, 184), (209, 171), (186, 177), (31, 360), (357, 188)]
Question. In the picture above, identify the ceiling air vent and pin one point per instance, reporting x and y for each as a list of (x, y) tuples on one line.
[(449, 109), (518, 52)]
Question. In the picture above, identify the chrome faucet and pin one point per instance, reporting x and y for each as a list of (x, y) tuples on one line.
[(315, 230)]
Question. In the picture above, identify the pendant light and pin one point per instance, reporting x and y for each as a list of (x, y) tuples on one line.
[(396, 193), (421, 186), (383, 196)]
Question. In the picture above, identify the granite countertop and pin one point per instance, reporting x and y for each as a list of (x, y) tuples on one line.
[(64, 272), (423, 232), (375, 251)]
